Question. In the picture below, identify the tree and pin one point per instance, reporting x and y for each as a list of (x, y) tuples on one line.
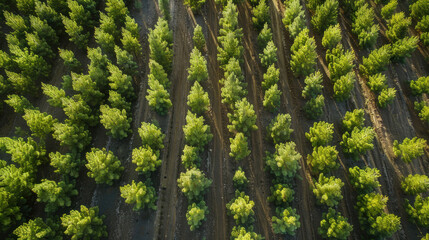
[(365, 180), (243, 118), (386, 96), (287, 221), (164, 7), (116, 121), (229, 21), (320, 134), (423, 110), (141, 195), (44, 30), (193, 183), (25, 6), (343, 86), (418, 9), (229, 47), (70, 61), (353, 120), (420, 86), (98, 67), (198, 69), (325, 15), (76, 32), (131, 43), (415, 184), (87, 87), (281, 194), (328, 190), (103, 166), (269, 56), (46, 13), (197, 133), (39, 46), (65, 164), (117, 101), (232, 90), (264, 36), (120, 82), (117, 10), (16, 183), (388, 9), (313, 108), (303, 54), (358, 141), (146, 159), (261, 15), (108, 25), (35, 229), (84, 224), (40, 124), (72, 135), (271, 77), (409, 149), (313, 85), (377, 82), (334, 226), (331, 36), (323, 159), (26, 153), (233, 67), (419, 212), (55, 195), (340, 62), (196, 214), (80, 13), (78, 112), (241, 207), (239, 147), (158, 97), (198, 38), (294, 18), (284, 163), (240, 180), (9, 211), (160, 42), (272, 98), (195, 5), (105, 40), (191, 157), (279, 129), (198, 99), (364, 27), (32, 65), (125, 61), (151, 136), (20, 82), (397, 26), (403, 48), (376, 61), (157, 73)]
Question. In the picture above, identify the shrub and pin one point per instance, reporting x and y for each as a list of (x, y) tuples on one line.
[(331, 36), (419, 86), (261, 15), (320, 134), (323, 159), (409, 149), (269, 56), (84, 224), (197, 133), (243, 118), (198, 38), (116, 121), (415, 184), (103, 166), (240, 180), (353, 120), (284, 163), (303, 54), (377, 82), (397, 26), (141, 195), (191, 157), (419, 213), (55, 195), (313, 85), (198, 99), (358, 141), (364, 180), (279, 129), (196, 214), (343, 86), (386, 96), (281, 194), (146, 159), (388, 9), (198, 69), (271, 77), (334, 226), (376, 61), (241, 208), (272, 98), (287, 221), (403, 48), (239, 147), (325, 15), (264, 36), (193, 183)]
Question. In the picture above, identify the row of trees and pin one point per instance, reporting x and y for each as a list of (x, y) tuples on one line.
[(420, 13)]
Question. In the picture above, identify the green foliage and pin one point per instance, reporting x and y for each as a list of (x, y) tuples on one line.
[(281, 194), (229, 22), (313, 85), (146, 159), (364, 179), (303, 54), (261, 15), (87, 87), (198, 38), (403, 48), (422, 25), (198, 69), (120, 82), (325, 15), (191, 157), (25, 6), (388, 9), (84, 224), (272, 98), (160, 42), (105, 40), (331, 36), (26, 153), (241, 233), (44, 30), (264, 36), (232, 90), (233, 67), (32, 65), (376, 61), (151, 136), (284, 163), (125, 61), (72, 135), (158, 97), (409, 149), (423, 110), (241, 207), (70, 61), (397, 26), (287, 221), (40, 124), (419, 213), (9, 211), (197, 133), (279, 129), (35, 229), (386, 225), (65, 164), (76, 32), (198, 99), (193, 183), (323, 159), (18, 103), (39, 46), (271, 77), (132, 45), (97, 69), (294, 18), (103, 166), (386, 96), (243, 118), (320, 134), (419, 9), (78, 112), (334, 226), (196, 214), (229, 47), (358, 141), (313, 108), (116, 121), (343, 86), (141, 195), (415, 184), (239, 147), (16, 183), (328, 190), (269, 56), (164, 7), (157, 73), (117, 101), (55, 195), (419, 86), (240, 180), (377, 82), (353, 120), (21, 83), (108, 25), (117, 10), (364, 27), (340, 62)]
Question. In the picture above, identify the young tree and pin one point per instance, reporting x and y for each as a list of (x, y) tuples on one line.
[(164, 7), (409, 149), (358, 141), (284, 163), (239, 147), (388, 9), (240, 180), (198, 38), (198, 99), (87, 87), (191, 157), (39, 46), (287, 221), (84, 224), (117, 10), (132, 26), (377, 82), (419, 212), (331, 36), (272, 98), (197, 133), (386, 96), (294, 18), (116, 121), (16, 182), (420, 86), (141, 195), (353, 120), (320, 134), (403, 48), (281, 194), (325, 15), (423, 110), (193, 183), (78, 112), (241, 233), (365, 180), (108, 25), (70, 61), (125, 61), (25, 153), (376, 61), (344, 86), (105, 40), (229, 47), (243, 118), (35, 229), (55, 195), (415, 184), (76, 32), (279, 129), (47, 13), (9, 211), (65, 164), (160, 42), (364, 27), (72, 135), (334, 226), (397, 26), (229, 21), (328, 190), (323, 159), (146, 159), (21, 83), (120, 82), (313, 108), (303, 54), (269, 56), (117, 101), (98, 67), (198, 69), (196, 214), (158, 97), (261, 15), (157, 73), (103, 166), (241, 207), (313, 85), (232, 90), (195, 5), (264, 36), (151, 136), (131, 43), (340, 62), (40, 124), (271, 77)]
